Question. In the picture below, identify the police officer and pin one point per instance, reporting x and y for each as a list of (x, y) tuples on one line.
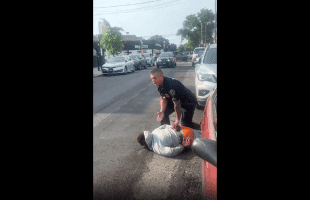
[(174, 97)]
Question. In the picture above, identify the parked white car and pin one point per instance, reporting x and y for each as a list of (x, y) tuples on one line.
[(118, 65), (195, 53), (206, 75)]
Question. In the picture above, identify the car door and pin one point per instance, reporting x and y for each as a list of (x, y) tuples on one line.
[(209, 131), (129, 63)]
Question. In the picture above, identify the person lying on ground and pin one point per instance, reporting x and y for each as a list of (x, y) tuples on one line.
[(166, 141)]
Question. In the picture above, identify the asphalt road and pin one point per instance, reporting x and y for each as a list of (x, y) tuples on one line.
[(124, 106)]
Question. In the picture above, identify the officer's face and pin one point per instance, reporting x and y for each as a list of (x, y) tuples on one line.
[(157, 79)]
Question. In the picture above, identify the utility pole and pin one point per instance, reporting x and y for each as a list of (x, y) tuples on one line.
[(201, 41), (215, 25), (206, 35)]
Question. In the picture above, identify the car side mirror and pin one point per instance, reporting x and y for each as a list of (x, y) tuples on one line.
[(205, 149)]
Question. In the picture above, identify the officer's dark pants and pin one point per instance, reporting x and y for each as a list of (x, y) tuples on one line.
[(186, 116)]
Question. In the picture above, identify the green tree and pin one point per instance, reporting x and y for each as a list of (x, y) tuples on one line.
[(114, 29), (160, 39), (181, 48), (192, 26), (112, 42)]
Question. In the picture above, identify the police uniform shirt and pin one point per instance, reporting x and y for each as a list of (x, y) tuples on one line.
[(174, 90)]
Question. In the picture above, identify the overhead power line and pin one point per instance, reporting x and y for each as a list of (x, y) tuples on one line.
[(139, 9), (160, 35), (129, 4)]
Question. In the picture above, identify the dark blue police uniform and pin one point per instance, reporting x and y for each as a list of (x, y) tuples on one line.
[(174, 90)]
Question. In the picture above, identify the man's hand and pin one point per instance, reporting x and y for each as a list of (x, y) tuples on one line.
[(175, 125), (160, 116)]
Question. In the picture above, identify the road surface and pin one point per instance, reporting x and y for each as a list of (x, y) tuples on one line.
[(124, 106)]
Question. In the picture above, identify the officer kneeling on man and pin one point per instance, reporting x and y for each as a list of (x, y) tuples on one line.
[(174, 96)]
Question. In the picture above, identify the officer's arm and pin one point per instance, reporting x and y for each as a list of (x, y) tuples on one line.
[(163, 104), (177, 108)]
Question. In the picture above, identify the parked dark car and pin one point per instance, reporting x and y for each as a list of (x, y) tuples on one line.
[(136, 60), (166, 59), (175, 53), (143, 61), (139, 61), (182, 56), (206, 147), (149, 59)]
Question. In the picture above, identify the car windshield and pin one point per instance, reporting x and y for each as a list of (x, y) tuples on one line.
[(117, 59), (200, 53), (166, 54), (197, 50), (134, 56), (210, 57)]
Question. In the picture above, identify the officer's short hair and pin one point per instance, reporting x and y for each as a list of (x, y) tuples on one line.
[(157, 71)]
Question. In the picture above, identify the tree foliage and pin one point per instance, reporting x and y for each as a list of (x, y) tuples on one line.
[(181, 48), (112, 42), (160, 39), (113, 29), (192, 26)]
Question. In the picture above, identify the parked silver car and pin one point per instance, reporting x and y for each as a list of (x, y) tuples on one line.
[(206, 74), (119, 64)]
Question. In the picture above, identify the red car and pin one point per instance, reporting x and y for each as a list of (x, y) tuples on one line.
[(206, 147)]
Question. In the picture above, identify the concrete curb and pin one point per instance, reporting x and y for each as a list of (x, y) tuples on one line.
[(96, 72)]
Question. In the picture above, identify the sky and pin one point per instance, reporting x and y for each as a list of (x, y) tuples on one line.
[(147, 18)]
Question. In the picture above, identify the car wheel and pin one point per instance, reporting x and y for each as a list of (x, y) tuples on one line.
[(125, 70)]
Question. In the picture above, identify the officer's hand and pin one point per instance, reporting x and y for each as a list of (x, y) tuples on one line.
[(175, 126), (160, 116)]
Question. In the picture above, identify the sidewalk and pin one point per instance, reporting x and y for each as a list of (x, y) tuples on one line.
[(96, 73)]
